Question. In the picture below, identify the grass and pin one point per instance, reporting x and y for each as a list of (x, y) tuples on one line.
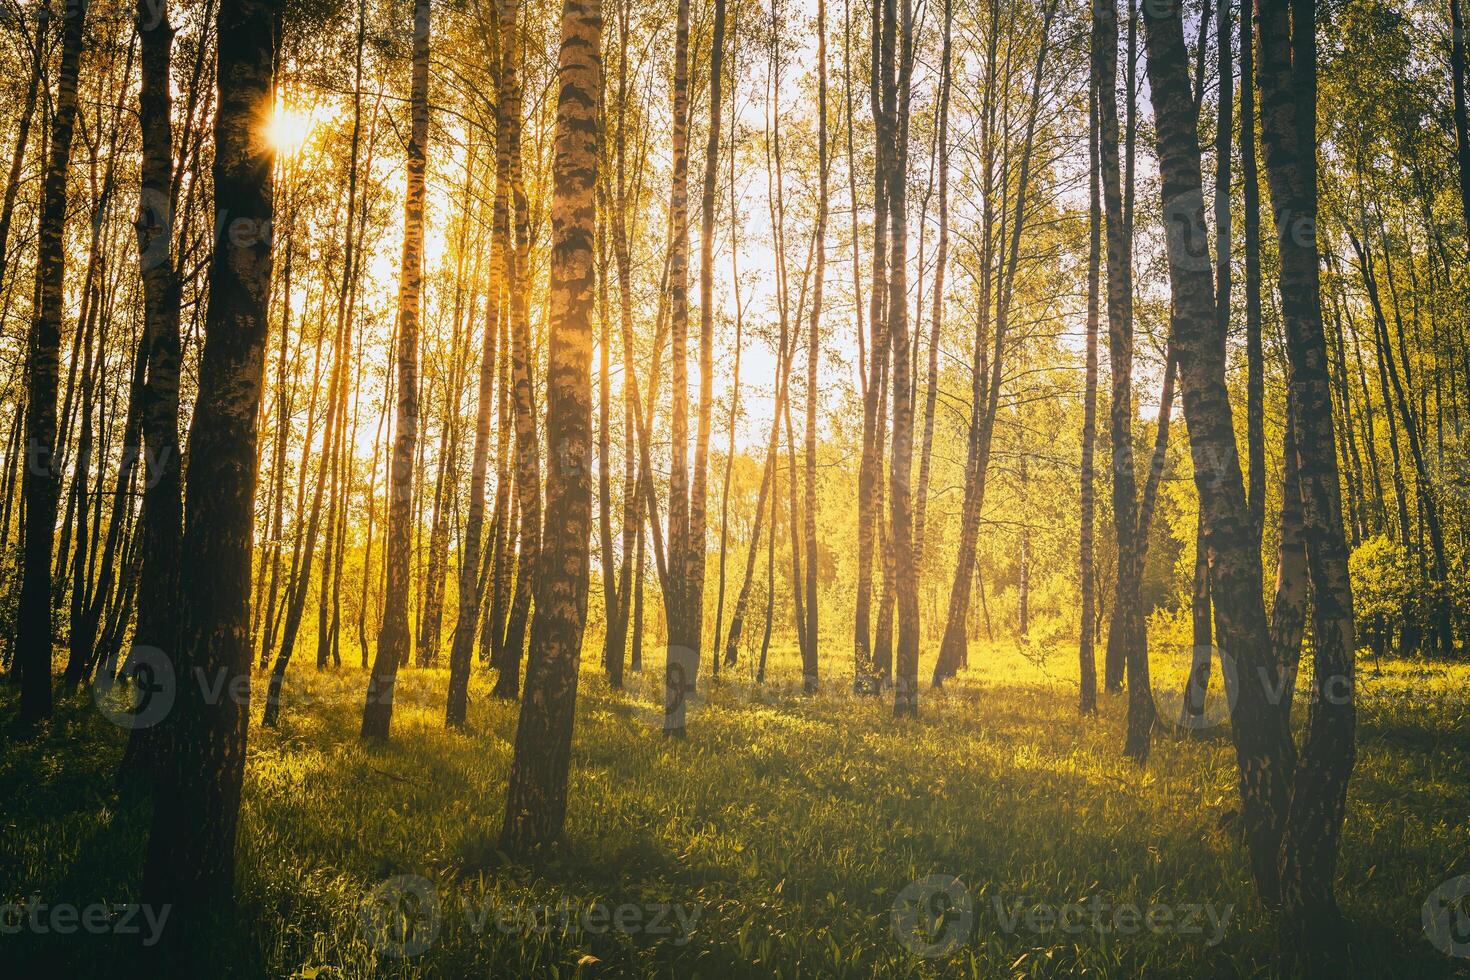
[(784, 827)]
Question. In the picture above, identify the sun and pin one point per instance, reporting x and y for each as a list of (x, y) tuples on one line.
[(288, 129)]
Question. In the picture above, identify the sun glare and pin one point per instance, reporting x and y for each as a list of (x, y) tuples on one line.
[(288, 129)]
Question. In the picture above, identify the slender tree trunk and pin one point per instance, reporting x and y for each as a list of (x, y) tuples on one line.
[(809, 648), (1087, 701), (301, 579), (682, 645), (768, 474), (614, 653), (394, 636), (1200, 604), (535, 807), (469, 568), (42, 483), (368, 567), (284, 409), (694, 559), (1263, 745), (1197, 684), (906, 666), (941, 262), (985, 393), (191, 846), (735, 386), (865, 675), (1255, 384), (492, 636), (446, 482), (1124, 631), (635, 655), (760, 669), (527, 441), (327, 633), (611, 594), (1462, 127), (158, 596), (1286, 73)]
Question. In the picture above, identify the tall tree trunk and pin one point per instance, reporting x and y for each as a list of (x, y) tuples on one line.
[(527, 441), (1255, 384), (446, 482), (470, 593), (694, 559), (1124, 633), (985, 392), (330, 634), (734, 384), (535, 806), (190, 860), (158, 597), (1287, 75), (906, 666), (327, 633), (41, 485), (768, 475), (615, 648), (394, 636), (1197, 684), (865, 675), (1462, 127), (492, 636), (941, 262), (611, 594), (301, 579), (1087, 700), (682, 638), (1263, 745), (813, 355), (284, 409)]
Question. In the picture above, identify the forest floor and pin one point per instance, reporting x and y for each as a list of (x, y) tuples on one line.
[(777, 839)]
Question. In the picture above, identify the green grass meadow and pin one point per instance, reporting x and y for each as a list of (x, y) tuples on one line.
[(776, 839)]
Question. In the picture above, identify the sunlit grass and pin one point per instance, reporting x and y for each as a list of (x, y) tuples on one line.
[(792, 823)]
